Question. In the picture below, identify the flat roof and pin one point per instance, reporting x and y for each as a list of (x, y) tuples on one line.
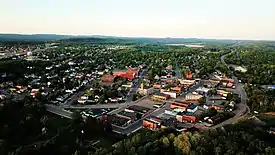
[(161, 94), (192, 106), (153, 121), (138, 108), (203, 89), (128, 114), (96, 111), (118, 120), (187, 113)]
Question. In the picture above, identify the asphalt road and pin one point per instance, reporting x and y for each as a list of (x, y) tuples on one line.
[(135, 87), (242, 108), (113, 105), (59, 110), (138, 124), (178, 73), (241, 111)]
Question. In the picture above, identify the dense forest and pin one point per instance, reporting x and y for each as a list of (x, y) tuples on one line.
[(27, 129), (259, 59), (260, 99), (245, 137)]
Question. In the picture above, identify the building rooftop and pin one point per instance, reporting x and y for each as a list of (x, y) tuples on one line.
[(157, 119), (169, 122), (192, 106), (128, 114), (203, 89), (153, 121), (138, 109), (118, 120), (187, 114), (161, 94)]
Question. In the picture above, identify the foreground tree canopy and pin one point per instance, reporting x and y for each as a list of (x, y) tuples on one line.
[(242, 138)]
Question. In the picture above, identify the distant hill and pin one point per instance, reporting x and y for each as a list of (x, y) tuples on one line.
[(31, 38), (110, 39), (180, 40)]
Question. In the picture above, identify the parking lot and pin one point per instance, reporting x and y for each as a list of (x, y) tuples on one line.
[(148, 103)]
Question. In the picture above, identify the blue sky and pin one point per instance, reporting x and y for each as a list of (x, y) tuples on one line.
[(235, 19)]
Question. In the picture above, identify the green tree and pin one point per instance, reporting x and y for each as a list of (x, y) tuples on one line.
[(166, 142), (214, 91), (202, 100)]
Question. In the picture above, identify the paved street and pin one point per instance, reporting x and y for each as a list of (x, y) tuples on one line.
[(242, 108), (136, 86), (137, 125), (59, 111), (241, 111), (178, 72)]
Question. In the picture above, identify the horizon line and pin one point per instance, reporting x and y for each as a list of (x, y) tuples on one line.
[(153, 37)]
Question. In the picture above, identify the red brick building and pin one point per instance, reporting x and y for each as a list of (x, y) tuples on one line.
[(187, 118), (126, 74), (151, 124), (108, 78)]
